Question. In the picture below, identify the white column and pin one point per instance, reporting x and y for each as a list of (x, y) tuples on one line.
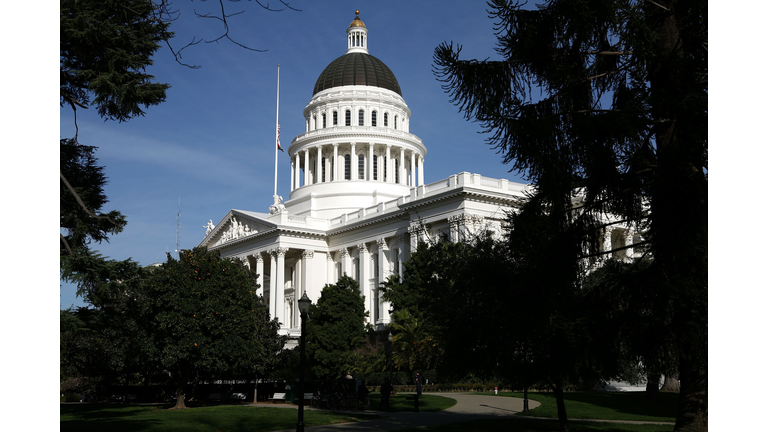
[(453, 228), (297, 173), (331, 268), (401, 168), (280, 284), (370, 161), (628, 241), (383, 275), (389, 165), (306, 256), (421, 170), (259, 273), (273, 286), (413, 170), (335, 161), (346, 262), (307, 180), (353, 163), (318, 170), (293, 175), (365, 284)]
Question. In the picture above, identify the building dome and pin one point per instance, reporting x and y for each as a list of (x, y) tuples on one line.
[(357, 69)]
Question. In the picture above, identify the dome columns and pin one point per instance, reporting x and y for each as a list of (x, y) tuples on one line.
[(380, 163)]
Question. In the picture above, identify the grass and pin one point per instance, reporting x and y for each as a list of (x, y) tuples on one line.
[(427, 403), (157, 418), (605, 405), (530, 425)]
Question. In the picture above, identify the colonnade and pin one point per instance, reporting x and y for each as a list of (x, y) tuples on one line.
[(380, 162), (287, 279)]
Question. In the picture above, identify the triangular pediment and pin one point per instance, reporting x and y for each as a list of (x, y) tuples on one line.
[(236, 225)]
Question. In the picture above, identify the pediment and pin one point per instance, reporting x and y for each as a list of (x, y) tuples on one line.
[(236, 225)]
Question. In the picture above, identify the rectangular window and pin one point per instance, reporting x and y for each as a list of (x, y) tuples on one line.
[(348, 118), (324, 180), (375, 167), (347, 168), (360, 117), (361, 167), (324, 126), (335, 118), (373, 118), (386, 119)]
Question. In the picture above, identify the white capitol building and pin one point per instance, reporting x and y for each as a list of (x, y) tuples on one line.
[(358, 203)]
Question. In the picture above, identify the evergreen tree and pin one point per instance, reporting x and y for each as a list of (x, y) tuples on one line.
[(336, 327), (608, 99), (203, 320)]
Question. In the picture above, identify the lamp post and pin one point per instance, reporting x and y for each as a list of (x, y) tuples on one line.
[(304, 303), (389, 337)]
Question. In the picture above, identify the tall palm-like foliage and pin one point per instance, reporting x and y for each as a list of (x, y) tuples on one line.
[(414, 345)]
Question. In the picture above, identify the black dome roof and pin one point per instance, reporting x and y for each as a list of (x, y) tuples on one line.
[(357, 69)]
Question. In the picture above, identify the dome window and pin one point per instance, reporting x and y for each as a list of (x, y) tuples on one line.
[(361, 167), (386, 119), (373, 118), (375, 171), (347, 118), (395, 122), (347, 167), (360, 117), (324, 125), (335, 118)]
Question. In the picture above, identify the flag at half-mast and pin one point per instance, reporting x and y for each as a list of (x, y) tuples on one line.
[(278, 139)]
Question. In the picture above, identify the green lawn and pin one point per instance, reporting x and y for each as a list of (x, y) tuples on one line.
[(530, 425), (153, 418), (427, 402), (605, 405)]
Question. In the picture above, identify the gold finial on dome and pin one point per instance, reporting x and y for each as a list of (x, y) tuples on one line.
[(357, 22)]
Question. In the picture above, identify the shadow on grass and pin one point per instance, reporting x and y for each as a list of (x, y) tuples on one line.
[(122, 418), (606, 405), (530, 425)]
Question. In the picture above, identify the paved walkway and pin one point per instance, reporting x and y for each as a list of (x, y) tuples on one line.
[(468, 407)]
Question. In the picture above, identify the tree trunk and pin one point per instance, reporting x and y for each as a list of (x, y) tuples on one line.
[(671, 382), (181, 384), (652, 387), (562, 417), (692, 412)]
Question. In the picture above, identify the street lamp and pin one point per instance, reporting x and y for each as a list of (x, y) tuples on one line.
[(389, 337), (304, 303)]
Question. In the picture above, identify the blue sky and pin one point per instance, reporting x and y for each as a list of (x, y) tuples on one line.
[(211, 143)]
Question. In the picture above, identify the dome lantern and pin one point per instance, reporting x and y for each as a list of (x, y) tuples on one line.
[(357, 36)]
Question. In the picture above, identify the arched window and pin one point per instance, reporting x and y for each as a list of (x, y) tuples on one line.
[(375, 167), (386, 119), (324, 125), (373, 118), (361, 166), (335, 118), (347, 162), (397, 169), (360, 117), (395, 122), (348, 118)]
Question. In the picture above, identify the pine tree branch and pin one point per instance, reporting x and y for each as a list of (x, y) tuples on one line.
[(66, 244), (80, 201)]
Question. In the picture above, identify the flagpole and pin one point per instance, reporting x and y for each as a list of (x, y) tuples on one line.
[(277, 125)]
